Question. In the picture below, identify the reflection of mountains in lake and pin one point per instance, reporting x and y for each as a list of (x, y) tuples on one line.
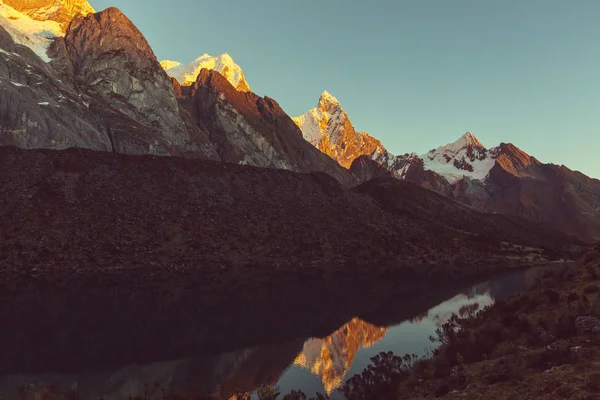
[(461, 305), (221, 376), (481, 295), (331, 358)]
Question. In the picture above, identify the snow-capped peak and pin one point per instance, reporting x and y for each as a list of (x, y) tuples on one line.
[(37, 35), (327, 98), (464, 157), (60, 11), (223, 64), (35, 24), (167, 64), (326, 119), (468, 139)]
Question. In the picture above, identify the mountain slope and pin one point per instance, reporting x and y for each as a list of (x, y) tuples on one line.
[(252, 130), (102, 89), (37, 35), (36, 23), (501, 179), (223, 64), (280, 217), (60, 11), (518, 184), (328, 128)]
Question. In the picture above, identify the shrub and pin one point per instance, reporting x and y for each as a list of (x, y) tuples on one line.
[(268, 392), (552, 356), (590, 256), (441, 390), (564, 391), (295, 395), (505, 373), (592, 382), (592, 272), (552, 296), (562, 326), (592, 288), (505, 349), (379, 379)]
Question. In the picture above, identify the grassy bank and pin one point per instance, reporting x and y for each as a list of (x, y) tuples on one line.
[(543, 343)]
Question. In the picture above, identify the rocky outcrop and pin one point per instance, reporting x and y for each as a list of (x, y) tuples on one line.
[(555, 195), (365, 169), (113, 63), (39, 110), (252, 130), (103, 89)]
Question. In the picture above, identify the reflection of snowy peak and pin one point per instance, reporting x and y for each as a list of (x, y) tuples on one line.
[(332, 357), (223, 64)]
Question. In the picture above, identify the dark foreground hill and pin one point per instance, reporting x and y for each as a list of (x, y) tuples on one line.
[(80, 209)]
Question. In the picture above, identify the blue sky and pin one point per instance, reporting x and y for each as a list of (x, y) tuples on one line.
[(415, 74)]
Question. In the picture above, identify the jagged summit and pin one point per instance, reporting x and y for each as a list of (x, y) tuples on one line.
[(467, 156), (328, 128), (223, 64), (327, 98), (468, 139)]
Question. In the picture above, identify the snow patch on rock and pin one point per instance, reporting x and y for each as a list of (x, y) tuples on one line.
[(37, 35), (223, 64), (466, 157)]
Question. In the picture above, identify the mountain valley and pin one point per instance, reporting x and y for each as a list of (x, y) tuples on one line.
[(162, 221)]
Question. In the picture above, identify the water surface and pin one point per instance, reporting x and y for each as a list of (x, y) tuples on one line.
[(308, 338)]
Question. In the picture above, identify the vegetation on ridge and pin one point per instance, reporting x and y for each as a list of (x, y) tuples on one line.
[(543, 343)]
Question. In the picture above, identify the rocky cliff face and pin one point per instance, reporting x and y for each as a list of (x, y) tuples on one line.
[(113, 63), (328, 128), (38, 110), (518, 184), (252, 130), (103, 89)]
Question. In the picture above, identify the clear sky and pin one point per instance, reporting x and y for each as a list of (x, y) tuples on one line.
[(416, 74)]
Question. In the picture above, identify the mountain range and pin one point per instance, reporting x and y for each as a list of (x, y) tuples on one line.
[(93, 81), (501, 179), (70, 77), (149, 191)]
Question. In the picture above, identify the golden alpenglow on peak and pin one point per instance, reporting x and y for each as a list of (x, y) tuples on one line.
[(329, 129), (61, 11), (331, 358)]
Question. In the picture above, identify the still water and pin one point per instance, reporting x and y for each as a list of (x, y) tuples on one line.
[(312, 364)]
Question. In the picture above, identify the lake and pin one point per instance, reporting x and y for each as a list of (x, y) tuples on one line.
[(308, 337)]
